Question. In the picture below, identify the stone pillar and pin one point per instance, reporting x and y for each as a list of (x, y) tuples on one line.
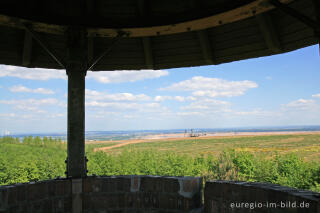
[(76, 71)]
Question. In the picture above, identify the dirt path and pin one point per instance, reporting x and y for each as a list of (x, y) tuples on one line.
[(219, 135), (119, 145)]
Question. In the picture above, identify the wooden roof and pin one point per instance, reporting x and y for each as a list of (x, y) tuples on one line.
[(155, 34)]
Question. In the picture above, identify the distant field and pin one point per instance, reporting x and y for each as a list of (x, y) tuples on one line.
[(306, 146), (289, 160)]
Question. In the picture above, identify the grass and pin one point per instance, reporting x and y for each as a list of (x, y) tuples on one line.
[(94, 145), (306, 146)]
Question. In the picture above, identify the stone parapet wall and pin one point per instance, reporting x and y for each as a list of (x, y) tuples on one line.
[(239, 197), (142, 194), (102, 194), (153, 194)]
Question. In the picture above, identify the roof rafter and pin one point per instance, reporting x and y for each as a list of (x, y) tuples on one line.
[(141, 7), (90, 49), (146, 41), (296, 14), (148, 54), (269, 32), (316, 5), (45, 46), (103, 54), (27, 49), (205, 45)]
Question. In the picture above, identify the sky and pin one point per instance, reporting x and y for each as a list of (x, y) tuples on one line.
[(279, 90)]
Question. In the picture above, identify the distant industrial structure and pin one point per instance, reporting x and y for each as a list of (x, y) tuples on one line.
[(6, 133), (193, 133)]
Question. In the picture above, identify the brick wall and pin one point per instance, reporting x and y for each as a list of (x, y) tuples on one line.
[(44, 196), (238, 197)]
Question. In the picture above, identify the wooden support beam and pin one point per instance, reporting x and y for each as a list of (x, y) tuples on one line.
[(45, 46), (148, 55), (90, 50), (146, 41), (90, 7), (30, 6), (316, 5), (205, 46), (141, 7), (295, 14), (111, 46), (91, 11), (27, 49), (269, 32)]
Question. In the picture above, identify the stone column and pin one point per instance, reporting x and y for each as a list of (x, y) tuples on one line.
[(76, 71)]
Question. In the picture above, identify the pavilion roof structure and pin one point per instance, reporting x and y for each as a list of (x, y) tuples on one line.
[(154, 34)]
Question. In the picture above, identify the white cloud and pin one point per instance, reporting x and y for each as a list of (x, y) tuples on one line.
[(207, 105), (316, 96), (120, 110), (33, 105), (11, 68), (122, 105), (256, 112), (56, 115), (164, 98), (102, 77), (179, 98), (191, 98), (37, 102), (30, 108), (20, 88), (212, 87), (103, 96), (113, 105), (125, 76), (33, 115), (269, 78), (7, 115), (301, 104), (31, 74), (190, 114), (117, 102), (130, 116)]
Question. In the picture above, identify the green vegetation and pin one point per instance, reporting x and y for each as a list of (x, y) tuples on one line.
[(30, 160), (306, 146), (34, 159)]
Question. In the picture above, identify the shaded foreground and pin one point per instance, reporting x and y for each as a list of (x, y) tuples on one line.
[(39, 159), (157, 194)]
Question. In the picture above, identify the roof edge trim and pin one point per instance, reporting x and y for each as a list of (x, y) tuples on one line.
[(240, 13)]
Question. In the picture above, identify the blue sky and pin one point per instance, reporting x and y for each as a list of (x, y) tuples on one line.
[(269, 91)]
